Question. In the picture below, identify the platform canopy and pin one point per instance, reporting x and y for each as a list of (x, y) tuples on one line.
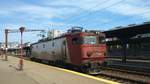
[(129, 31)]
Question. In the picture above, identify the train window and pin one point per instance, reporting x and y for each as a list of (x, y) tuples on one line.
[(43, 45), (53, 44), (37, 46), (76, 40), (90, 40)]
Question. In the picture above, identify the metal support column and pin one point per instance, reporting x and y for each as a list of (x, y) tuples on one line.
[(21, 53), (6, 44)]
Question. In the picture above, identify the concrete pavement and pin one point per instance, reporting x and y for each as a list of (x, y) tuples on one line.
[(35, 73)]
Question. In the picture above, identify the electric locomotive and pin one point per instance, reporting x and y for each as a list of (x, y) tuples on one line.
[(84, 50)]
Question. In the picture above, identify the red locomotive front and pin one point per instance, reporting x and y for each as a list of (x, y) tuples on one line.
[(87, 50)]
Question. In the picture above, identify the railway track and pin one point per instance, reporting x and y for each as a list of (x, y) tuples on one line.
[(125, 76)]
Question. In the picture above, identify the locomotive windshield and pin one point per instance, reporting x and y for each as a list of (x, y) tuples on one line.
[(90, 40), (93, 40)]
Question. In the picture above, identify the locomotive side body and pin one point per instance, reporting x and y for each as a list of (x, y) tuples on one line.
[(51, 50)]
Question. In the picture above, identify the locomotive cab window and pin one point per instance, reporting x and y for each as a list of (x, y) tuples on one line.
[(76, 40)]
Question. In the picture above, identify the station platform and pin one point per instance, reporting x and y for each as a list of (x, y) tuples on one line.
[(36, 73)]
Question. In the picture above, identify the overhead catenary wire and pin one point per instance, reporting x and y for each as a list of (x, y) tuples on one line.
[(80, 17), (122, 19), (88, 9), (125, 19)]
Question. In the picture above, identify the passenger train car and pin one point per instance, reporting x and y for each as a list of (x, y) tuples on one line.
[(84, 50)]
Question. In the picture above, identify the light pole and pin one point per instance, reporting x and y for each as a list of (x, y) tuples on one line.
[(6, 43), (21, 54)]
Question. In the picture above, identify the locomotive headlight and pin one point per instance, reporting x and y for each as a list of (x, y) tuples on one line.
[(94, 53), (98, 53)]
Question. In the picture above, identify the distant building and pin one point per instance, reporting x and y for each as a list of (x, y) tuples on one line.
[(54, 33), (14, 48), (10, 45)]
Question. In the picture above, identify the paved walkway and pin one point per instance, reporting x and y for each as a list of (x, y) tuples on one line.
[(35, 73)]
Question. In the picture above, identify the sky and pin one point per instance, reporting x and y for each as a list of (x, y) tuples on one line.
[(63, 14)]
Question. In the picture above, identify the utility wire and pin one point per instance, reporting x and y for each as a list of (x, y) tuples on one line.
[(88, 9), (122, 19), (99, 10), (103, 9)]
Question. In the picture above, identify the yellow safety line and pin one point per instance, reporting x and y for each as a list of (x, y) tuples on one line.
[(81, 74), (88, 76)]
